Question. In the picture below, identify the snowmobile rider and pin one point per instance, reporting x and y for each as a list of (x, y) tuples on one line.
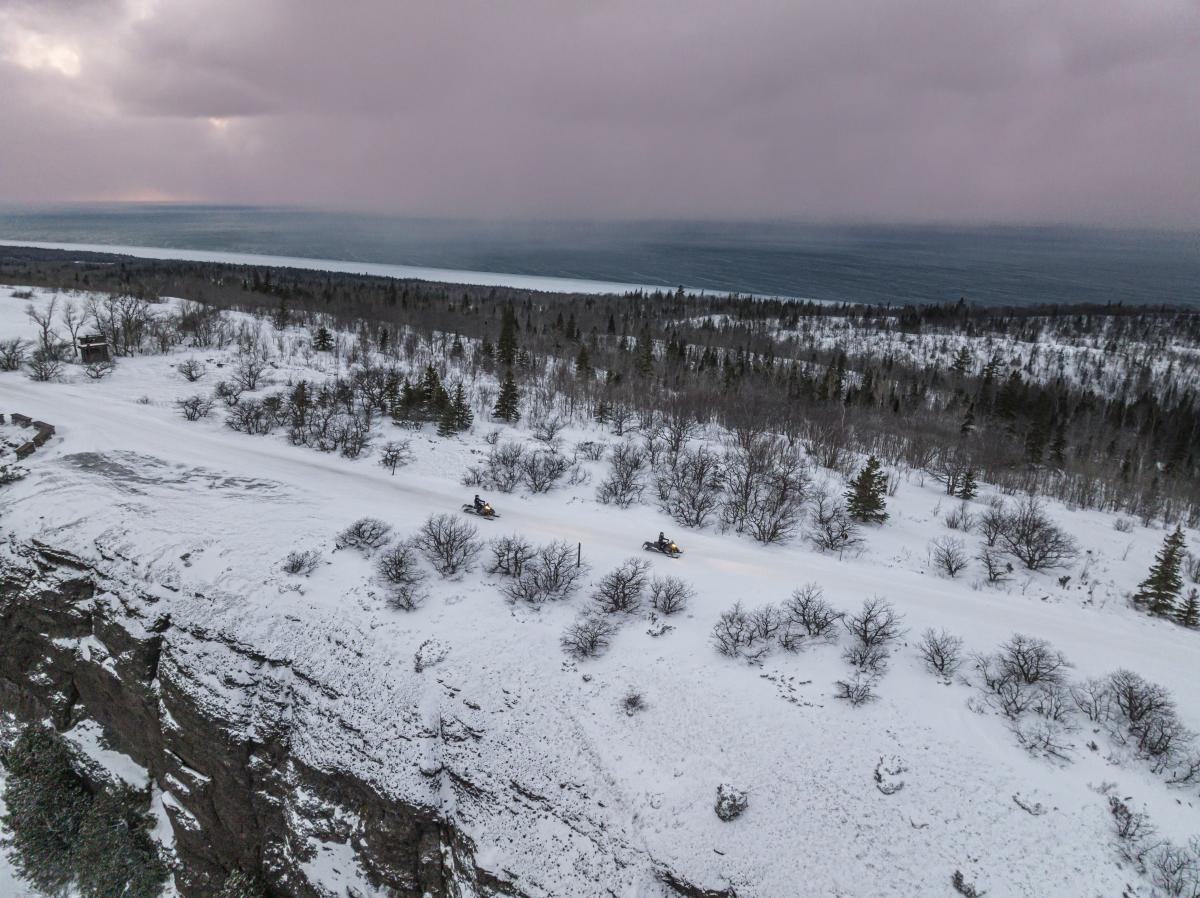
[(479, 503), (663, 542)]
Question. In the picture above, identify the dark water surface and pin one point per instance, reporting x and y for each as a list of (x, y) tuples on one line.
[(867, 263)]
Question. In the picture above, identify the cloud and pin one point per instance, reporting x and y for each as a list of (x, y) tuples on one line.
[(913, 110)]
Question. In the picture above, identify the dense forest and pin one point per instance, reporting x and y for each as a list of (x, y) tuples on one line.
[(1096, 405)]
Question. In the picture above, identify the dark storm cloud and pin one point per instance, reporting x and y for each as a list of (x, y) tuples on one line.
[(921, 109)]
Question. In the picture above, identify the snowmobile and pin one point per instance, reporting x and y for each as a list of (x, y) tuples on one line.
[(666, 547), (483, 510)]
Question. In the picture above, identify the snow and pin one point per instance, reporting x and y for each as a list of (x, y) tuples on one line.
[(590, 793)]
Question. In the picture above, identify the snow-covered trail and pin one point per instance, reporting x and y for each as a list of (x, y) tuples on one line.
[(717, 562)]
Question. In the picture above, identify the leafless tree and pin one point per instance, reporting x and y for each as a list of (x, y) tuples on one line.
[(1031, 537), (670, 595), (690, 491), (858, 690), (504, 466), (621, 589), (1093, 699), (191, 369), (251, 368), (43, 319), (620, 417), (509, 555), (99, 370), (949, 555), (301, 562), (73, 321), (12, 354), (876, 624), (193, 408), (399, 567), (810, 614), (591, 450), (365, 535), (589, 636), (43, 365), (551, 573), (733, 633), (1032, 660), (541, 471), (831, 529), (941, 651), (992, 521), (996, 566), (396, 454), (766, 484), (623, 485), (547, 427), (449, 543)]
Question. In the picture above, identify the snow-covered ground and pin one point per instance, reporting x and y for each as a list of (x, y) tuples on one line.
[(208, 514)]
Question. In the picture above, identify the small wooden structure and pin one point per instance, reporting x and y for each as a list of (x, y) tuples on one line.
[(93, 349)]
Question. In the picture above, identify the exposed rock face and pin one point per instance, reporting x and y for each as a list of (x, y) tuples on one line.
[(76, 645)]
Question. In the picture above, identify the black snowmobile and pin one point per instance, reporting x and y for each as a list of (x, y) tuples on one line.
[(481, 509), (663, 546)]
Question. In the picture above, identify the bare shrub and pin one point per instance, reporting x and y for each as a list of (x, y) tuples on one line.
[(98, 370), (301, 562), (1093, 699), (996, 566), (831, 529), (449, 543), (509, 555), (949, 555), (588, 636), (941, 651), (193, 408), (623, 486), (591, 450), (1031, 537), (250, 371), (733, 633), (546, 428), (960, 518), (991, 522), (670, 595), (620, 590), (964, 888), (690, 490), (1134, 831), (1147, 713), (858, 690), (396, 454), (552, 573), (808, 611), (191, 369), (1031, 660), (399, 567), (365, 535), (504, 470), (633, 702), (1042, 735), (877, 624), (12, 354), (542, 470), (1175, 869), (250, 416), (43, 365), (766, 485), (765, 622), (1123, 525)]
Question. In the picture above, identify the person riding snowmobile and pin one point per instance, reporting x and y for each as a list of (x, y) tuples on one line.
[(479, 503), (663, 542)]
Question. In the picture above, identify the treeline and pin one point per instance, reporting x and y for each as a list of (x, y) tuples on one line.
[(750, 362)]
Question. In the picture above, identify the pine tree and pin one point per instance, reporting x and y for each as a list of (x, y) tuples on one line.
[(968, 421), (1161, 588), (508, 402), (1189, 612), (506, 347), (967, 489), (962, 362), (602, 412), (241, 885), (463, 416), (865, 500), (322, 340), (583, 362)]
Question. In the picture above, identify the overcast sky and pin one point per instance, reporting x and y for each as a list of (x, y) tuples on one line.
[(910, 110)]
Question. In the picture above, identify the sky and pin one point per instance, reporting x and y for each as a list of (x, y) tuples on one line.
[(872, 110)]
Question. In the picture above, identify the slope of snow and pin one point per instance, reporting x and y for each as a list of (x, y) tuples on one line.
[(207, 515)]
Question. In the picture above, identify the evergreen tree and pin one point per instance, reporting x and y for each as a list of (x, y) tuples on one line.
[(322, 340), (506, 347), (962, 362), (968, 421), (1058, 446), (602, 412), (1161, 588), (583, 362), (241, 885), (456, 416), (116, 856), (967, 489), (1189, 612), (46, 803), (866, 498), (384, 336), (508, 406)]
